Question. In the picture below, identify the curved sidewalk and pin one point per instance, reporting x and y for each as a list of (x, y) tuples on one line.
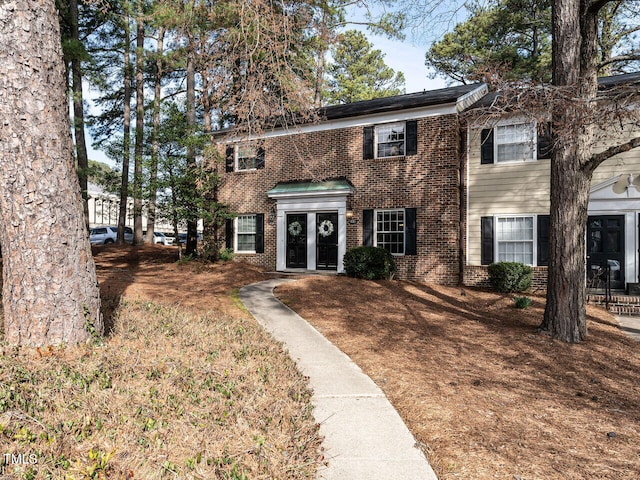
[(364, 437)]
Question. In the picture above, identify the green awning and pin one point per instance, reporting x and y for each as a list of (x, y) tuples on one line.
[(302, 188)]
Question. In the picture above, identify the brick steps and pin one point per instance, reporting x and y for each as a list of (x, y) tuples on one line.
[(618, 304)]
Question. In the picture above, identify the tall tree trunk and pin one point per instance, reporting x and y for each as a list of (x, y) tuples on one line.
[(210, 243), (139, 146), (126, 144), (78, 113), (575, 72), (50, 291), (192, 225), (155, 145)]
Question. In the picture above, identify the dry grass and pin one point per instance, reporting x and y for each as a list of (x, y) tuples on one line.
[(487, 396), (175, 391)]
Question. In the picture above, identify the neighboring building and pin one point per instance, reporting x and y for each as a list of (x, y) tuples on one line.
[(508, 201), (104, 209), (408, 174), (382, 172)]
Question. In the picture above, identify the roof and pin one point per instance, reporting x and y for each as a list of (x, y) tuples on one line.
[(399, 102), (301, 188), (603, 84), (462, 95)]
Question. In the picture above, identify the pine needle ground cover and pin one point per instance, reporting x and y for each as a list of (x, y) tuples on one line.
[(485, 395), (171, 392)]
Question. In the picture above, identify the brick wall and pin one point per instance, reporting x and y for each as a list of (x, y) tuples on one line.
[(478, 276), (427, 181)]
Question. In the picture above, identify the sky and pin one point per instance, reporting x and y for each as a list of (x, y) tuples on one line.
[(401, 55)]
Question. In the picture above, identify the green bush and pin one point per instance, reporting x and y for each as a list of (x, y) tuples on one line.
[(226, 254), (372, 263), (510, 277), (522, 302)]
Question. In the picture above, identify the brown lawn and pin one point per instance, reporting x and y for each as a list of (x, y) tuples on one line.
[(485, 395)]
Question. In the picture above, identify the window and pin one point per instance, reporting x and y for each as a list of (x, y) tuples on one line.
[(246, 233), (240, 158), (390, 231), (390, 140), (246, 157), (514, 142), (515, 239)]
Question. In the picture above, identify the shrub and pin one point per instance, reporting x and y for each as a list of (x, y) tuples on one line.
[(372, 263), (522, 302), (510, 277), (226, 254)]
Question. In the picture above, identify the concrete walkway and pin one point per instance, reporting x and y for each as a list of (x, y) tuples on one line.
[(630, 325), (364, 437)]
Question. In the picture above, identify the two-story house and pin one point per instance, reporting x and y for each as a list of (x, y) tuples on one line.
[(446, 196), (383, 172), (508, 198)]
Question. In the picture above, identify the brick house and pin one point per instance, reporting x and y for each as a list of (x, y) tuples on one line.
[(383, 172), (507, 200)]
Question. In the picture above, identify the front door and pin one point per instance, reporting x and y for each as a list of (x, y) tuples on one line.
[(327, 241), (297, 240), (605, 246)]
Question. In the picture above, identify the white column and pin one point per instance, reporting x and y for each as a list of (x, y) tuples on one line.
[(311, 240), (342, 237), (281, 238)]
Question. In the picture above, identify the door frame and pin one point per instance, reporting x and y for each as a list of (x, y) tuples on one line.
[(305, 244), (311, 205), (623, 240)]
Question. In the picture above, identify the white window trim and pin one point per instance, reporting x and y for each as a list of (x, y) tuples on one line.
[(534, 141), (235, 235), (534, 217), (236, 158), (404, 232), (375, 138)]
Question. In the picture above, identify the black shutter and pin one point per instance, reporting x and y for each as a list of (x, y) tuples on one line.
[(367, 228), (410, 240), (229, 159), (543, 239), (411, 133), (229, 233), (544, 142), (259, 232), (486, 255), (260, 158), (367, 143), (486, 149)]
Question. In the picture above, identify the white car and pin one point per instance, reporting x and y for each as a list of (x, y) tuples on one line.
[(108, 234), (162, 239)]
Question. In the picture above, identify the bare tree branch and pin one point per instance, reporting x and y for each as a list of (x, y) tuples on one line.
[(598, 158)]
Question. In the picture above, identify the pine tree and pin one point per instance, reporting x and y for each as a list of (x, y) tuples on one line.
[(358, 72)]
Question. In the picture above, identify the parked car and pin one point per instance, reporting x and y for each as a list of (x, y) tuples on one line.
[(170, 238), (108, 234), (160, 238)]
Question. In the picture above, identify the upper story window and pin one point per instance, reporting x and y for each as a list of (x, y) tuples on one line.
[(244, 157), (389, 140), (514, 142)]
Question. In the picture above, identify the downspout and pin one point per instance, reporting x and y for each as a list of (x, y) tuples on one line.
[(462, 202)]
